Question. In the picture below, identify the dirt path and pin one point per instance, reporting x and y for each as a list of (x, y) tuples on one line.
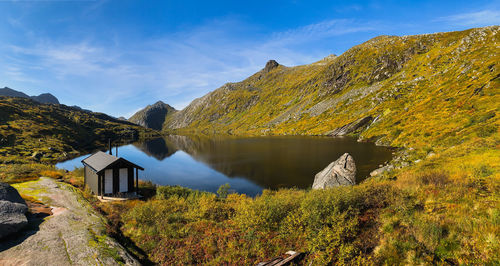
[(73, 235)]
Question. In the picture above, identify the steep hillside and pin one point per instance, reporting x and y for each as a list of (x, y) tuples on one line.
[(410, 90), (42, 98), (34, 132), (153, 116)]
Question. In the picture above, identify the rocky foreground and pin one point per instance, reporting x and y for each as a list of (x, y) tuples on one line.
[(73, 235)]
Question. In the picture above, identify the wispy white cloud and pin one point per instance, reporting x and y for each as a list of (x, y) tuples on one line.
[(323, 29), (175, 68), (477, 18)]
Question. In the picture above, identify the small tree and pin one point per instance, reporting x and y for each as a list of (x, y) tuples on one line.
[(223, 191)]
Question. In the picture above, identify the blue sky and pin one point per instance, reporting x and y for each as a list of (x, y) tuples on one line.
[(118, 56)]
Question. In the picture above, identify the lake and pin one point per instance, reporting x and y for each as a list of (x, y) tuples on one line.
[(247, 164)]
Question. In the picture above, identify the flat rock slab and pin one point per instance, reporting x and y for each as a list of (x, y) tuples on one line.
[(73, 235)]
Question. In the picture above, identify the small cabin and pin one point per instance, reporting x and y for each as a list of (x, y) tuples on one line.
[(108, 175)]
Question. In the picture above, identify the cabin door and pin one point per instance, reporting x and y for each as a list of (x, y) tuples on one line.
[(108, 181), (123, 179)]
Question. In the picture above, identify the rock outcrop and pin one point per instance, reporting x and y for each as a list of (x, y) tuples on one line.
[(381, 170), (341, 172), (270, 65), (12, 210), (352, 127)]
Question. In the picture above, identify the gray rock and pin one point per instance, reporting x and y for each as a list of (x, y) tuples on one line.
[(381, 170), (352, 127), (37, 155), (12, 210), (338, 173)]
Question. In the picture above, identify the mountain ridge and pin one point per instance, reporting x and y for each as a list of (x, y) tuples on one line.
[(46, 98), (379, 79), (31, 131)]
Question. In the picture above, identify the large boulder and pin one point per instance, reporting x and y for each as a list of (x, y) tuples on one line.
[(12, 210), (341, 172)]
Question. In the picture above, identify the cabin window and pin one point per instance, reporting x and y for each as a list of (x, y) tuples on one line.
[(123, 179), (108, 181)]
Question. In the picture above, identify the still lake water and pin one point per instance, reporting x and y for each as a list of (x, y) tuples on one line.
[(248, 164)]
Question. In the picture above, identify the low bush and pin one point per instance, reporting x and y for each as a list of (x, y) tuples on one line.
[(434, 178), (326, 224), (52, 174), (16, 173), (165, 192)]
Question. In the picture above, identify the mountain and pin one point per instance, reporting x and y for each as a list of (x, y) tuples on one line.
[(56, 132), (153, 116), (435, 98), (398, 91), (45, 98), (12, 93), (42, 98)]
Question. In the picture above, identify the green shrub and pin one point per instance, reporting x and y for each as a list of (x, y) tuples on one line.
[(165, 192), (15, 173), (223, 191), (486, 131), (483, 171), (435, 178)]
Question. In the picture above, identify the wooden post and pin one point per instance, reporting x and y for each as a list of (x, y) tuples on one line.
[(137, 181), (109, 147), (102, 186)]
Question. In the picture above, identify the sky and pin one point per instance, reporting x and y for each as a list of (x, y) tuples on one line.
[(117, 56)]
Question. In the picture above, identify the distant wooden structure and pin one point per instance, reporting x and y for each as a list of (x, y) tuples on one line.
[(111, 176), (293, 256)]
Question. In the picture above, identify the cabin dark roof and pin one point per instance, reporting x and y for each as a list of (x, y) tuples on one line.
[(101, 160)]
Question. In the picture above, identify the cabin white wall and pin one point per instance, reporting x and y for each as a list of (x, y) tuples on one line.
[(108, 181), (123, 180)]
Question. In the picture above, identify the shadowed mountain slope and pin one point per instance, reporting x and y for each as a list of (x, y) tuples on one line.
[(153, 116)]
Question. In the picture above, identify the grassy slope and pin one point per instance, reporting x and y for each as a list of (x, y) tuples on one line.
[(56, 131), (409, 76), (435, 95)]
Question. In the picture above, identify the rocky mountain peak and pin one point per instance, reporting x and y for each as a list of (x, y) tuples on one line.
[(153, 115), (270, 65)]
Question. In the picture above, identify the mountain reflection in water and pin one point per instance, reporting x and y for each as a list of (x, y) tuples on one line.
[(248, 164)]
